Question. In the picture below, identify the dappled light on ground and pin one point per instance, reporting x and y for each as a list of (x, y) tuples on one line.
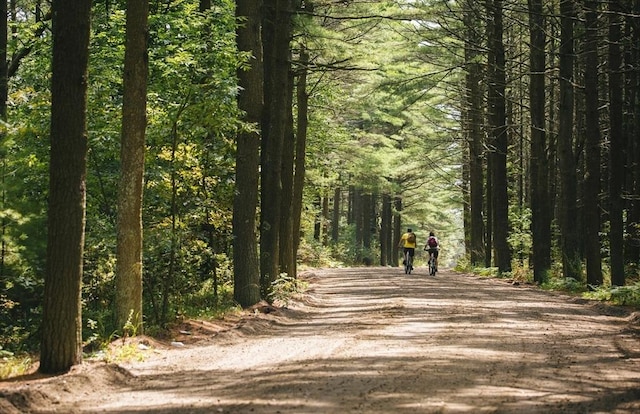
[(373, 340)]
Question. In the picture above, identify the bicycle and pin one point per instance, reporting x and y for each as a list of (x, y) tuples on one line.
[(432, 264), (408, 263)]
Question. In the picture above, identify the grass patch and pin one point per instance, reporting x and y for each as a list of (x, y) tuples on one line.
[(565, 284), (286, 287), (618, 295), (14, 365)]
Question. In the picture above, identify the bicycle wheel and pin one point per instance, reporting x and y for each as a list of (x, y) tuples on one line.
[(408, 262), (432, 265)]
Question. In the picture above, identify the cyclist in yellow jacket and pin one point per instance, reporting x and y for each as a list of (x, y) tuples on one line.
[(408, 243)]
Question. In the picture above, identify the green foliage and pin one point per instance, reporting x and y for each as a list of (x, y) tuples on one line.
[(566, 284), (284, 287), (618, 295), (14, 365), (206, 300), (124, 353), (192, 119), (313, 254), (520, 238), (486, 271)]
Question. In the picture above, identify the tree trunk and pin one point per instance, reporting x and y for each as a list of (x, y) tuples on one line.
[(474, 135), (335, 220), (592, 148), (4, 95), (397, 228), (386, 227), (325, 220), (498, 125), (246, 266), (130, 195), (286, 245), (276, 29), (302, 124), (367, 219), (358, 217), (633, 224), (617, 146), (61, 346), (539, 169), (568, 199)]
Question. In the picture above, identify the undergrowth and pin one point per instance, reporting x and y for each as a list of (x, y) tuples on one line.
[(628, 295), (285, 288), (619, 295)]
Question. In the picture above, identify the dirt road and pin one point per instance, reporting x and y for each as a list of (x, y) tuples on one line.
[(373, 340)]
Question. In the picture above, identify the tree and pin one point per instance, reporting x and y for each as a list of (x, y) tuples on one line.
[(567, 159), (499, 139), (473, 130), (539, 170), (246, 267), (62, 309), (592, 203), (617, 144), (302, 126), (286, 243), (276, 36), (130, 195), (4, 94)]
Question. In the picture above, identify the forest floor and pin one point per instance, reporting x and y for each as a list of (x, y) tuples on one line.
[(372, 340)]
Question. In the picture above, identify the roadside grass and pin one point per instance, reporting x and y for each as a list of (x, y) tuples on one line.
[(14, 365), (628, 295)]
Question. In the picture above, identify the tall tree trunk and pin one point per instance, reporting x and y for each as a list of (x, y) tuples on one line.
[(592, 148), (317, 225), (246, 266), (498, 124), (325, 220), (132, 148), (302, 98), (568, 201), (61, 345), (540, 207), (474, 133), (286, 244), (488, 201), (335, 220), (358, 217), (367, 218), (617, 145), (385, 230), (397, 228), (276, 29), (634, 100), (4, 95)]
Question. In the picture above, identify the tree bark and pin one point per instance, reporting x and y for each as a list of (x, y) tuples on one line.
[(499, 135), (246, 266), (61, 345), (571, 262), (592, 148), (335, 220), (539, 169), (4, 95), (132, 149), (287, 254), (302, 99), (474, 133), (397, 228), (386, 226), (276, 31), (617, 145)]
